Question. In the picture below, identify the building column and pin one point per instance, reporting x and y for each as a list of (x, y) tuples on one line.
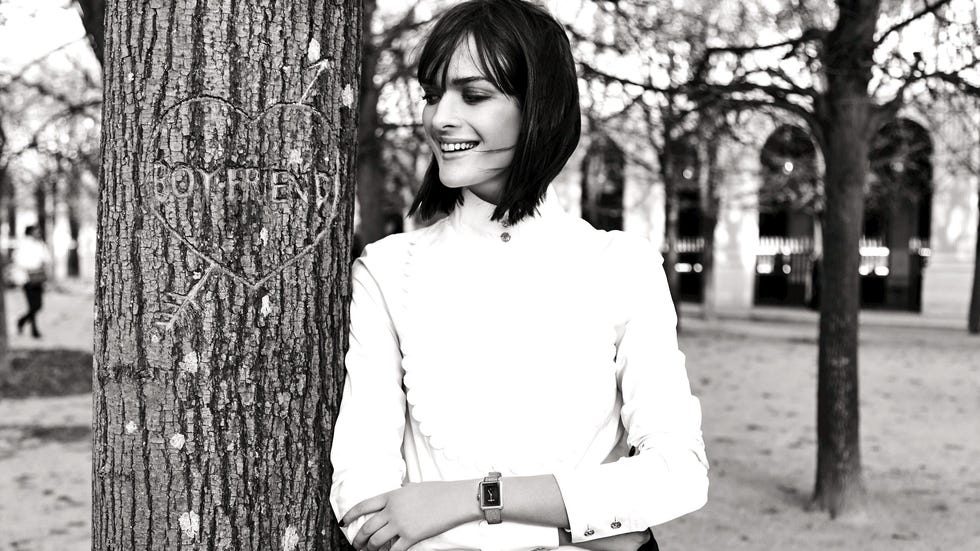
[(948, 276), (737, 233)]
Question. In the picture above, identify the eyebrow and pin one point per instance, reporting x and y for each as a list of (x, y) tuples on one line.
[(466, 80), (461, 81)]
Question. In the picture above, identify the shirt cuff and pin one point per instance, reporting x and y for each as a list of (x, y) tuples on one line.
[(589, 516)]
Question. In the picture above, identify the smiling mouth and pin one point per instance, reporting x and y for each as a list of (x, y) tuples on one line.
[(454, 147)]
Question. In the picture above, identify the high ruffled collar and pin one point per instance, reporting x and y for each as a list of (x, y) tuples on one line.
[(473, 216)]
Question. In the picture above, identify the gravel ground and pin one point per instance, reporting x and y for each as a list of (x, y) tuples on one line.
[(920, 416)]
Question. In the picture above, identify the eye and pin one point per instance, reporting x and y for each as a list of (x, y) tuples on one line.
[(475, 98), (431, 98)]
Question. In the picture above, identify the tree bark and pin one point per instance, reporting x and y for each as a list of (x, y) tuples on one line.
[(846, 117), (224, 226), (973, 324)]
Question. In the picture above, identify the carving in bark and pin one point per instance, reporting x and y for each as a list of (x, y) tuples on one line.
[(225, 217)]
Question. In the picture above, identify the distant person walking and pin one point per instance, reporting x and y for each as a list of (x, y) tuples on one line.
[(31, 261)]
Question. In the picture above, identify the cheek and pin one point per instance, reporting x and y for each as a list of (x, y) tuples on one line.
[(511, 125), (427, 120)]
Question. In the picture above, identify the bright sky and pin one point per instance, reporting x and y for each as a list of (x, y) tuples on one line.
[(33, 28)]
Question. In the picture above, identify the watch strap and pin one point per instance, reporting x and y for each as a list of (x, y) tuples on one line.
[(492, 515)]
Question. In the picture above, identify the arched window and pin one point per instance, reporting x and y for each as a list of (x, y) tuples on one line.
[(897, 218), (690, 240), (790, 196)]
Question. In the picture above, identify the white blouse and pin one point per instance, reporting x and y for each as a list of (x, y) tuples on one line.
[(542, 347)]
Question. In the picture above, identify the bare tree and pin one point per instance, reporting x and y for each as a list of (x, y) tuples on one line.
[(683, 135), (850, 79), (844, 75), (223, 281)]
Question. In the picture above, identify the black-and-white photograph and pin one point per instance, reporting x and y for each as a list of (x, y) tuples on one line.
[(489, 275)]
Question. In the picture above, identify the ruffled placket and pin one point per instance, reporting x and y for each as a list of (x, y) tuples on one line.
[(500, 371)]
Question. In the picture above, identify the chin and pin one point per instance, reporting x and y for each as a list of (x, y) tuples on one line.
[(454, 182)]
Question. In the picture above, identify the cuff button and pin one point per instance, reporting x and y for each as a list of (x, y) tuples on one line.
[(616, 525), (589, 532)]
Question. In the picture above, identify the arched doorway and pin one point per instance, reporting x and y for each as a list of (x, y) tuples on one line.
[(690, 239), (897, 219), (789, 199)]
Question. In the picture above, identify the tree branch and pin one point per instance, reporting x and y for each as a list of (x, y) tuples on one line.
[(808, 35), (906, 22)]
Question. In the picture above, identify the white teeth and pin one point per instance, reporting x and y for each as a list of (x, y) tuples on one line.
[(448, 147)]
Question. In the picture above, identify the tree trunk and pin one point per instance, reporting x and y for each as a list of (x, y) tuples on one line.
[(846, 118), (41, 208), (973, 324), (225, 217), (371, 171), (709, 205), (4, 338), (671, 222), (668, 171)]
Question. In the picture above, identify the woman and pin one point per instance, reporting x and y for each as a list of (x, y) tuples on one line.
[(504, 360)]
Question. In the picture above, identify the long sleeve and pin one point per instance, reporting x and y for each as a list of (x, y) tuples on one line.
[(367, 439), (367, 442), (667, 478)]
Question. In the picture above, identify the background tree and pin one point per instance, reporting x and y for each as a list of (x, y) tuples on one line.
[(4, 183), (225, 219), (845, 74), (656, 108), (385, 64)]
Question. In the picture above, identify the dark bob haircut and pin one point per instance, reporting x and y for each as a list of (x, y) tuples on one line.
[(525, 53)]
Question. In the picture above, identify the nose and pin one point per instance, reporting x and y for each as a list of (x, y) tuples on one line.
[(446, 113)]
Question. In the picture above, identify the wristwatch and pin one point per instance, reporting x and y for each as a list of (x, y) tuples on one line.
[(490, 501)]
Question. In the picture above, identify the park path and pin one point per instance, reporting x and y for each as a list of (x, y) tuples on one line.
[(45, 442), (920, 398)]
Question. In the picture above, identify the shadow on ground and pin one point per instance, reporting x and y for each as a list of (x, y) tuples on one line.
[(47, 372)]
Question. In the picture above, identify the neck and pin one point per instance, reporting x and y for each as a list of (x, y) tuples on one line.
[(487, 192)]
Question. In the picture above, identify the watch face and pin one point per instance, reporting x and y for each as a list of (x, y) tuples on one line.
[(490, 492)]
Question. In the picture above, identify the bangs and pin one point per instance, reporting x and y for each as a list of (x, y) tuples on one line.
[(497, 60)]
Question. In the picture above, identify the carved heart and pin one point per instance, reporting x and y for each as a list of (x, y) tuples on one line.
[(248, 193)]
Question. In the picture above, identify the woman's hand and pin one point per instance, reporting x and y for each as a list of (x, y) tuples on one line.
[(413, 513), (623, 542)]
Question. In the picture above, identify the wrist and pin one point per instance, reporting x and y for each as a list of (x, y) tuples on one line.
[(468, 492)]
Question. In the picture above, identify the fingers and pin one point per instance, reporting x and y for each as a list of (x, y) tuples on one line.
[(370, 505), (401, 544), (373, 524), (387, 546), (382, 537)]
